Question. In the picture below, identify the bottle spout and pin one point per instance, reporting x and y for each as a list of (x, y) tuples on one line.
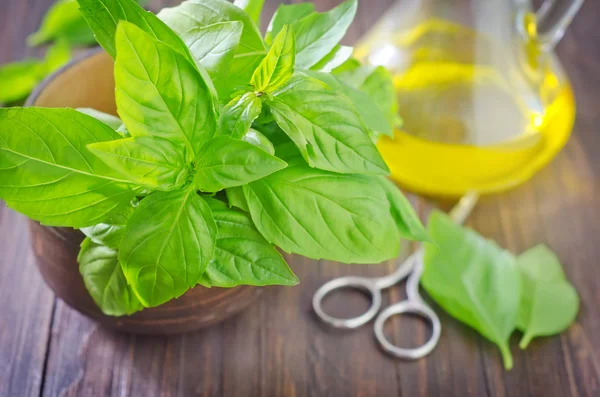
[(553, 18)]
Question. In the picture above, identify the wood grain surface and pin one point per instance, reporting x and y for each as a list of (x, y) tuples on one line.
[(277, 348)]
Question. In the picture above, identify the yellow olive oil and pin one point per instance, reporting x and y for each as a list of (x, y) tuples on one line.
[(478, 114)]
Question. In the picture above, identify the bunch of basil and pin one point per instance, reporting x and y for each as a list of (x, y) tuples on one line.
[(231, 144)]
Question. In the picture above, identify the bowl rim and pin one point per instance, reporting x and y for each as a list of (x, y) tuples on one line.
[(35, 94)]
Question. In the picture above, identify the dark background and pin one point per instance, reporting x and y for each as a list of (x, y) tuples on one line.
[(277, 348)]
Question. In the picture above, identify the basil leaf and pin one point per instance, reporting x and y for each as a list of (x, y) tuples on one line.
[(103, 16), (335, 58), (112, 121), (168, 243), (287, 14), (48, 174), (104, 279), (549, 303), (18, 79), (317, 34), (349, 217), (105, 234), (326, 128), (408, 222), (377, 83), (235, 197), (228, 162), (278, 66), (473, 280), (374, 118), (214, 47), (197, 13), (251, 7), (63, 21), (239, 114), (159, 93), (153, 163), (242, 255), (257, 139)]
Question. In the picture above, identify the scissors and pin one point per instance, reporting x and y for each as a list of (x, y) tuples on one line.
[(412, 268)]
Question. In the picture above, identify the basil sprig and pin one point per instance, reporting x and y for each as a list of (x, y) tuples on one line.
[(227, 147)]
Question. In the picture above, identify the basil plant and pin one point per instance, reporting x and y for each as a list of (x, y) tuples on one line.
[(229, 144)]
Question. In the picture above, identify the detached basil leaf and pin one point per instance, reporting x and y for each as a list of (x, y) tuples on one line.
[(317, 34), (474, 280), (257, 139), (112, 121), (252, 7), (278, 66), (320, 214), (326, 128), (167, 245), (18, 79), (239, 114), (228, 162), (214, 47), (48, 174), (153, 163), (374, 118), (549, 303), (235, 197), (63, 21), (198, 13), (287, 14), (242, 255), (159, 93), (335, 58), (408, 222), (104, 279), (103, 16)]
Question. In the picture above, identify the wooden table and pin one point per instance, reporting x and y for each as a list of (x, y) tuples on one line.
[(277, 348)]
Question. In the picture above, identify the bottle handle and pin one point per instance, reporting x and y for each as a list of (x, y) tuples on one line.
[(553, 18)]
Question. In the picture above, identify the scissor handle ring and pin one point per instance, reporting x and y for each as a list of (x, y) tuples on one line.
[(413, 307), (342, 283)]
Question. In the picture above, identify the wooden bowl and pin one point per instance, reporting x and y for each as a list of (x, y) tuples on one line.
[(88, 82)]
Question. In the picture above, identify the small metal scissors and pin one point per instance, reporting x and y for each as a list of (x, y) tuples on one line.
[(412, 268)]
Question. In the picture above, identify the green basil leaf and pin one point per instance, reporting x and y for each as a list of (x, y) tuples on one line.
[(159, 93), (63, 21), (251, 7), (112, 121), (107, 234), (257, 139), (214, 46), (374, 118), (153, 163), (228, 162), (317, 34), (198, 13), (377, 83), (18, 79), (278, 66), (320, 214), (239, 114), (473, 280), (326, 128), (408, 222), (48, 174), (335, 58), (103, 16), (287, 14), (235, 197), (242, 255), (168, 243), (104, 279), (549, 303)]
